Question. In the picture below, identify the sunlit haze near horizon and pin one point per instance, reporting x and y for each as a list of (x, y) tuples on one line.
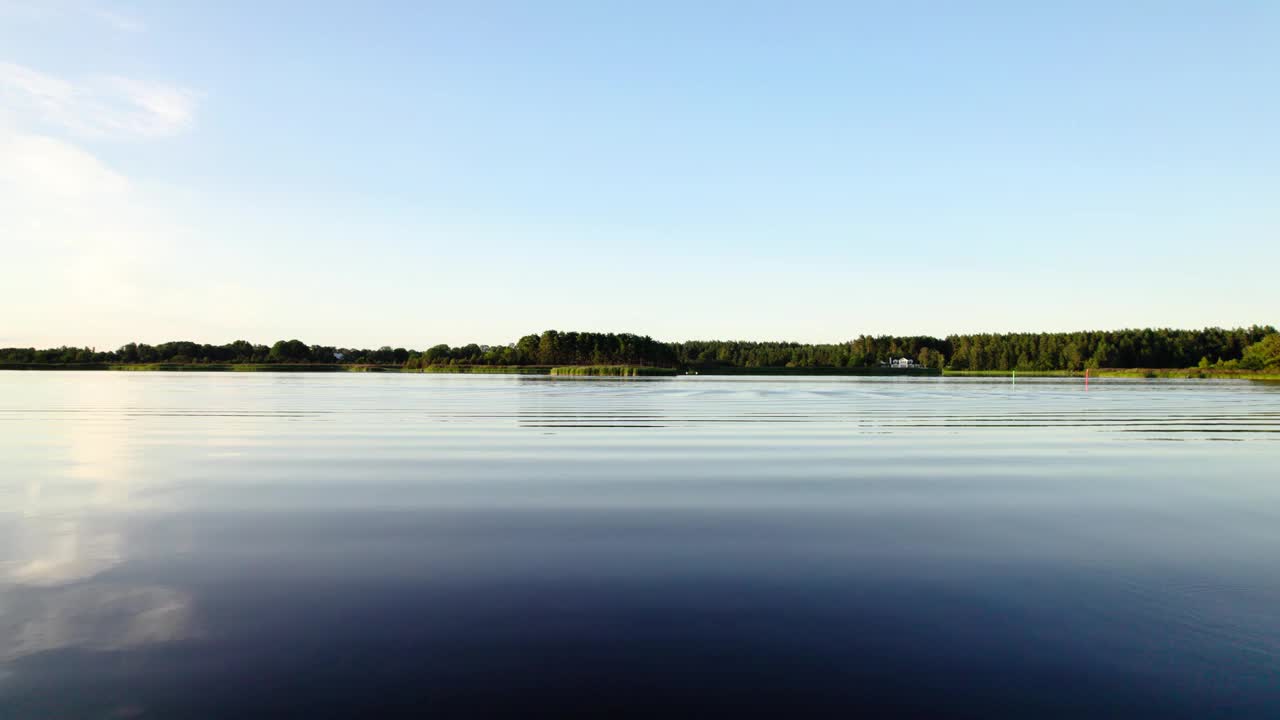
[(410, 173)]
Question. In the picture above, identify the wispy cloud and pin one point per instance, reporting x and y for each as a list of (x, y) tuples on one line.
[(25, 10), (71, 221), (99, 106), (44, 11), (74, 221), (52, 168), (119, 21), (77, 227)]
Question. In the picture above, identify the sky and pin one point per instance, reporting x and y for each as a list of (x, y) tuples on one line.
[(410, 173)]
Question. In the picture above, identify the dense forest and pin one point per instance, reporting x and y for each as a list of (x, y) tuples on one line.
[(1252, 348), (1148, 348), (556, 348)]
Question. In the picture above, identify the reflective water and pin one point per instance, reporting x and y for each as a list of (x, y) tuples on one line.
[(228, 545)]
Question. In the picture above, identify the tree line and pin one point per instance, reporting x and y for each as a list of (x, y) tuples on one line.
[(1145, 348), (182, 352), (1255, 347), (554, 347)]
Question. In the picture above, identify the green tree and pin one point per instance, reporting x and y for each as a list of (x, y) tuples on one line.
[(289, 351), (436, 354), (1262, 355)]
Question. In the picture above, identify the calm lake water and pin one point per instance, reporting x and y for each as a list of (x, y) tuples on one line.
[(249, 545)]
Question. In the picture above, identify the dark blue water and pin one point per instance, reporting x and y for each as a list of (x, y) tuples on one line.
[(225, 545)]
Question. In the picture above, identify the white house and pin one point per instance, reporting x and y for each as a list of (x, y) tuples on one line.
[(902, 363)]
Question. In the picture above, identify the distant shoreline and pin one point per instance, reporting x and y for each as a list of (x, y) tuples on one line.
[(647, 371), (549, 370), (1150, 352)]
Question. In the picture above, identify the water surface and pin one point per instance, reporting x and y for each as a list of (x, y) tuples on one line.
[(226, 545)]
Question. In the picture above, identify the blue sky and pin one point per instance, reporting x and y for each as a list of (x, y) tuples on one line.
[(413, 173)]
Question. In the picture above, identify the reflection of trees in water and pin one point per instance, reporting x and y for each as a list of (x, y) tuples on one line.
[(567, 402)]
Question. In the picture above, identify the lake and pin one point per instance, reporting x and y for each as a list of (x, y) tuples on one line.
[(252, 545)]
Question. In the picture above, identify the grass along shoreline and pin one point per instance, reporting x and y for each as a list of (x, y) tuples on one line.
[(612, 371), (874, 370)]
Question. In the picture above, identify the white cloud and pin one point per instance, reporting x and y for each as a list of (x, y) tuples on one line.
[(46, 11), (28, 11), (37, 165), (119, 21), (112, 258), (164, 109), (101, 106), (69, 221)]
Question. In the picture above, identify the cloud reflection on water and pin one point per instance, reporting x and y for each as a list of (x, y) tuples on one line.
[(55, 590), (99, 616)]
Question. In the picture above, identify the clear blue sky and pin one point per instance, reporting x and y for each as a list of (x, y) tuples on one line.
[(413, 173)]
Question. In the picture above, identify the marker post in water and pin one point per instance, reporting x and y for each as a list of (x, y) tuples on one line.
[(1086, 379)]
